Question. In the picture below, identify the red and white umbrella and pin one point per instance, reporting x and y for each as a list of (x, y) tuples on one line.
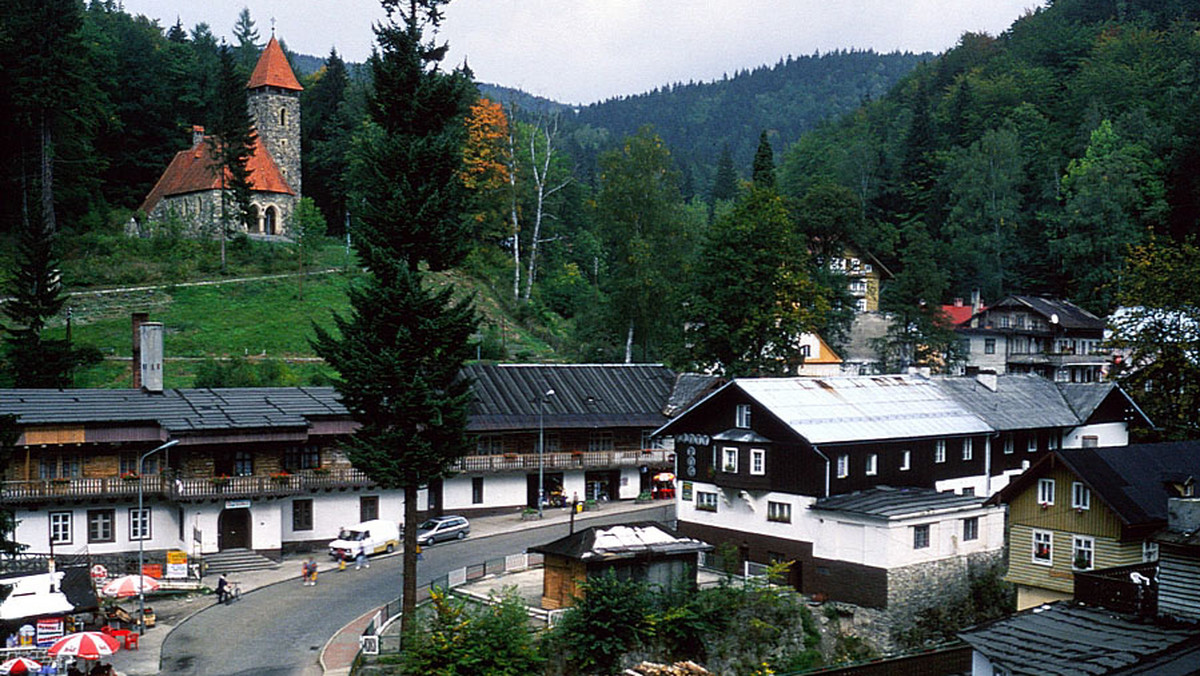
[(128, 585), (20, 665), (85, 645)]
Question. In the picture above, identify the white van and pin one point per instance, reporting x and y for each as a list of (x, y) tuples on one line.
[(374, 536)]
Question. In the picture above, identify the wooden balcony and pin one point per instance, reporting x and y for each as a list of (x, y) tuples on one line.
[(655, 458), (183, 488)]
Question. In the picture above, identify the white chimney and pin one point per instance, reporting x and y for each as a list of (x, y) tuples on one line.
[(151, 366), (197, 135), (976, 301), (1183, 515), (988, 379)]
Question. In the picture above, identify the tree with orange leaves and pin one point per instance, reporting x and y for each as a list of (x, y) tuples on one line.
[(485, 157)]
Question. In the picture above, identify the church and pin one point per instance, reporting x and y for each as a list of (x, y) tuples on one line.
[(189, 191)]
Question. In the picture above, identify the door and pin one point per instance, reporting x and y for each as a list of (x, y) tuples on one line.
[(233, 529)]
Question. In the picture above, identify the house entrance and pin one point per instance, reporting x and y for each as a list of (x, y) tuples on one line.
[(553, 487), (233, 529), (601, 486)]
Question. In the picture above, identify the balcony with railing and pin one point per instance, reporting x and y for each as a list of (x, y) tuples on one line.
[(182, 488), (655, 458)]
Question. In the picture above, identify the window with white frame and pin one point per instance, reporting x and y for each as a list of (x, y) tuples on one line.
[(971, 529), (939, 450), (706, 502), (743, 416), (779, 511), (905, 460), (729, 458), (921, 536), (1045, 491), (1031, 445), (139, 524), (758, 461), (968, 448), (60, 528), (1149, 551), (843, 466), (872, 464), (100, 525), (1081, 496), (1043, 547), (1008, 445), (1083, 550)]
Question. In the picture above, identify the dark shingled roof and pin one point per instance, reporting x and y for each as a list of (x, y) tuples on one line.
[(1018, 402), (1130, 480), (690, 388), (1070, 316), (585, 395), (1072, 640), (886, 502), (643, 539), (176, 411)]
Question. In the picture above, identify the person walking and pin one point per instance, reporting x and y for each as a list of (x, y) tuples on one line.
[(222, 588), (312, 572), (304, 572), (360, 559)]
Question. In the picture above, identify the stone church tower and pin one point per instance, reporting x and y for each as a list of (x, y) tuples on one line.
[(274, 101)]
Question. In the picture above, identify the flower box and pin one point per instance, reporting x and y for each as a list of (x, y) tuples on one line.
[(60, 482), (281, 477), (219, 481), (130, 476), (510, 456), (321, 471)]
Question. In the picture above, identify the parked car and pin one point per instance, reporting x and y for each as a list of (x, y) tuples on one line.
[(377, 535), (443, 528)]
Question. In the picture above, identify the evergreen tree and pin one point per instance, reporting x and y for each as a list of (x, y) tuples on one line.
[(725, 182), (232, 144), (326, 126), (9, 433), (764, 164), (176, 33), (247, 48), (399, 353)]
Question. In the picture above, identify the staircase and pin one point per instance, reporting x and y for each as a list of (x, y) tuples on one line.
[(237, 561)]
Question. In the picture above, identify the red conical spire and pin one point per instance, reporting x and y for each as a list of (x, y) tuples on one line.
[(272, 70)]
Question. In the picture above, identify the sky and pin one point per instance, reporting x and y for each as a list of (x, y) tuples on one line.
[(581, 51)]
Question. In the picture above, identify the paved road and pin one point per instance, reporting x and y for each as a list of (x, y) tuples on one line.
[(279, 630)]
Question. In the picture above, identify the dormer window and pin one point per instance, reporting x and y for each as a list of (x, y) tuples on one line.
[(743, 416)]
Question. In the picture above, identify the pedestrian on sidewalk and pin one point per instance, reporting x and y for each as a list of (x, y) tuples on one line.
[(304, 572), (312, 572), (360, 559), (222, 588)]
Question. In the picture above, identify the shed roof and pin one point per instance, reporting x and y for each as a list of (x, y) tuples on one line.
[(176, 411), (585, 395), (824, 410), (886, 502), (644, 539), (1068, 639)]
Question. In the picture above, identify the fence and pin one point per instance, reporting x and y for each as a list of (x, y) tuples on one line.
[(374, 640)]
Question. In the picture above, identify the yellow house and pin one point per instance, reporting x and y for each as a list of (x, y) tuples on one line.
[(1090, 508), (864, 275)]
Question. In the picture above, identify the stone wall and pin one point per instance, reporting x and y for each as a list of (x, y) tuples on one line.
[(276, 115)]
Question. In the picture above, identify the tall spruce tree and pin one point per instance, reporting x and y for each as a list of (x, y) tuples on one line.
[(764, 164), (232, 144), (400, 351), (725, 182), (247, 42)]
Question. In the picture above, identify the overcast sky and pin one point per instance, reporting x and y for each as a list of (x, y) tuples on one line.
[(580, 51)]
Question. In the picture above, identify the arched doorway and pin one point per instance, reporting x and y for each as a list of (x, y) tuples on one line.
[(269, 221), (233, 529)]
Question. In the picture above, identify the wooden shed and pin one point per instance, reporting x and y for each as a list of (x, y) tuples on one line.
[(646, 551)]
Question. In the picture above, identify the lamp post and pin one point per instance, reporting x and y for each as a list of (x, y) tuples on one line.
[(542, 449), (143, 524)]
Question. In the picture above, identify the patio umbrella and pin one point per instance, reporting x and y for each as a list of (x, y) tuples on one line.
[(20, 665), (85, 645), (664, 476), (128, 585)]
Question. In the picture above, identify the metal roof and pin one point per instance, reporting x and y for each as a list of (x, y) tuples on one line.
[(1071, 640), (585, 395), (176, 411), (846, 410), (886, 502), (1018, 402), (628, 541)]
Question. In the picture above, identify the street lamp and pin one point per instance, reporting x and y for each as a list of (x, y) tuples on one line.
[(542, 449), (143, 524)]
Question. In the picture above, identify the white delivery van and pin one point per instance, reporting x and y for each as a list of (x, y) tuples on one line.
[(374, 536)]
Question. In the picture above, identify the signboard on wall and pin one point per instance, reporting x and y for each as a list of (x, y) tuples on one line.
[(687, 491), (237, 504), (49, 630), (176, 563)]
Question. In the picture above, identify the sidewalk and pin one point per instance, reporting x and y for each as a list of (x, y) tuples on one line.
[(338, 653)]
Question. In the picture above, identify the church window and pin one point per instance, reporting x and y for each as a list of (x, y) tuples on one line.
[(283, 117)]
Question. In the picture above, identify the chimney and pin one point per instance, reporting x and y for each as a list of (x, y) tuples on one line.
[(197, 135), (958, 302), (151, 364), (1183, 515), (988, 379), (976, 301), (139, 318)]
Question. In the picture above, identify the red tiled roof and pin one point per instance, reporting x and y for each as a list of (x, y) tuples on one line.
[(273, 70), (957, 314), (193, 170)]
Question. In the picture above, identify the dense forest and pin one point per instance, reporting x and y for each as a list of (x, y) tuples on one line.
[(689, 224)]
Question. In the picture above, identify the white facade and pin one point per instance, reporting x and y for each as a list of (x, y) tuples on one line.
[(1104, 434)]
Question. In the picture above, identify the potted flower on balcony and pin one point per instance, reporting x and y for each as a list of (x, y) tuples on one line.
[(280, 477), (510, 456), (219, 482), (60, 481), (730, 467), (577, 453), (130, 476), (320, 471)]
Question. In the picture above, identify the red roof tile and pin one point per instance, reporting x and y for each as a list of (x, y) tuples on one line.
[(273, 70), (193, 170), (957, 314)]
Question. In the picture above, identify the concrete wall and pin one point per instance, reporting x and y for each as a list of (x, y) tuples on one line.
[(1108, 434)]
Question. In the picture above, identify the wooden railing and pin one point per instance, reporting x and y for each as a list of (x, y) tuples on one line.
[(509, 462), (182, 488)]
